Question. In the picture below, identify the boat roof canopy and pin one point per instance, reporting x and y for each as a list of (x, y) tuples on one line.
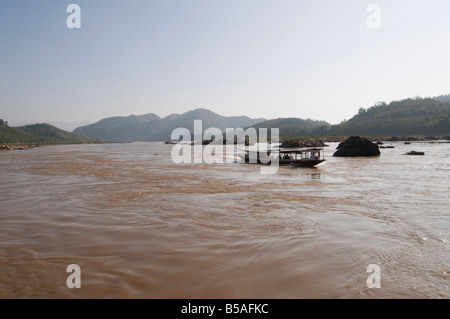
[(298, 151), (291, 151)]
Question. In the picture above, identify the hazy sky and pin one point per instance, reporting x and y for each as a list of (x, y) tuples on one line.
[(261, 58)]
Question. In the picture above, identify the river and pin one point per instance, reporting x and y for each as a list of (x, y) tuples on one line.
[(141, 226)]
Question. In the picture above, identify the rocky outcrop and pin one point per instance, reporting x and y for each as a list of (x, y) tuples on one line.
[(15, 147), (356, 146)]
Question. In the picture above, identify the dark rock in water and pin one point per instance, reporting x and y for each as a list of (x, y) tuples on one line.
[(415, 153), (388, 146), (380, 143), (357, 146)]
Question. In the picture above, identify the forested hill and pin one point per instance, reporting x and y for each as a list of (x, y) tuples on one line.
[(418, 116), (38, 133)]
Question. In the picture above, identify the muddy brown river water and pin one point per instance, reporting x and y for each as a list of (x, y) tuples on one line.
[(140, 226)]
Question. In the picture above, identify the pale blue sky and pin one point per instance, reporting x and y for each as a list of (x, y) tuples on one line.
[(261, 58)]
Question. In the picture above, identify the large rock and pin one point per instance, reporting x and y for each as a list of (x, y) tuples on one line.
[(357, 146)]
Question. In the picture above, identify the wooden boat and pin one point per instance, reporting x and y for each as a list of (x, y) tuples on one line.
[(308, 157)]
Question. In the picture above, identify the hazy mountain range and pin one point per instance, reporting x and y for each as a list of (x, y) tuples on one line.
[(414, 116), (150, 127)]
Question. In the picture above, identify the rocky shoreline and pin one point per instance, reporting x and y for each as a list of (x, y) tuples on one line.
[(419, 138), (13, 147)]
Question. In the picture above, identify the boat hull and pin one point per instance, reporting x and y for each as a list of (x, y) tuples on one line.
[(284, 162), (302, 162)]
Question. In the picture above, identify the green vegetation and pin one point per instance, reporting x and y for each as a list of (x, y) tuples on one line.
[(12, 135), (38, 134), (418, 116)]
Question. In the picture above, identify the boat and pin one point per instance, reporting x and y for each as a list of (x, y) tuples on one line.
[(308, 157)]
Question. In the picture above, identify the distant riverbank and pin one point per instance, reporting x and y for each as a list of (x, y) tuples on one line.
[(302, 141)]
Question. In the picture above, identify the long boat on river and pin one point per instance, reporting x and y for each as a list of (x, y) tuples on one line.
[(308, 157)]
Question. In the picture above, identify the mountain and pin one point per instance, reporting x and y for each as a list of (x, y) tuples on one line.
[(150, 127), (38, 133), (417, 116), (414, 116)]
